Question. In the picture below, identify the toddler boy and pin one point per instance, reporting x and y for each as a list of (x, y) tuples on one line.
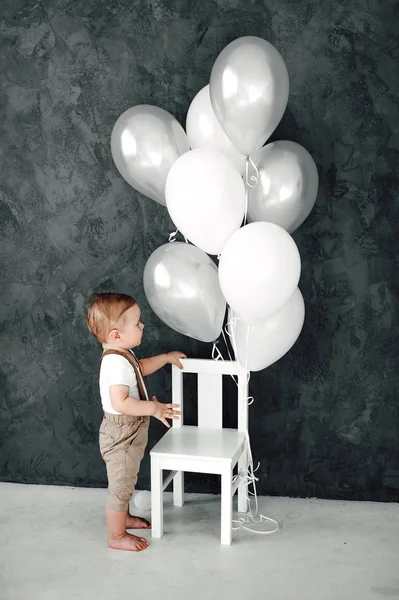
[(115, 320)]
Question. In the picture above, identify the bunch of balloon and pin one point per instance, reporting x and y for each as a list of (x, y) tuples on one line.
[(259, 267), (230, 196)]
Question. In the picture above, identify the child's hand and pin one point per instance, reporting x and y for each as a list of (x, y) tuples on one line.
[(165, 411), (173, 358)]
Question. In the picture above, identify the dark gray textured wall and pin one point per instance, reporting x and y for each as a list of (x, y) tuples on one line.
[(325, 418)]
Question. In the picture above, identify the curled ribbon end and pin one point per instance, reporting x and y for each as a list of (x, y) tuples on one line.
[(172, 237), (251, 180)]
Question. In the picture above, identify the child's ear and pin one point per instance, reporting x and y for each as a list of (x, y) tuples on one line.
[(114, 335)]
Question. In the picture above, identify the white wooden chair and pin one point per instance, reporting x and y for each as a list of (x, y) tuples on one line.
[(208, 448)]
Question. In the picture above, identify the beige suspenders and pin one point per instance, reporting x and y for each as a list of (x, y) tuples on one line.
[(136, 366)]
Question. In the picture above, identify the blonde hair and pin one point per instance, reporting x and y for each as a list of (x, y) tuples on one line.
[(105, 311)]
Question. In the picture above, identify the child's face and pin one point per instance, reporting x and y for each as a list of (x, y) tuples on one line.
[(130, 331)]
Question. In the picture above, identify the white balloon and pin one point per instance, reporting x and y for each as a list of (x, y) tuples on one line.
[(259, 270), (205, 197), (204, 130), (142, 500), (260, 345)]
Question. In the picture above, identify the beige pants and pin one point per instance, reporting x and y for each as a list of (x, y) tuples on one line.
[(123, 440)]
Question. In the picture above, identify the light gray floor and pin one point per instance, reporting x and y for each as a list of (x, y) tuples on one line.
[(53, 547)]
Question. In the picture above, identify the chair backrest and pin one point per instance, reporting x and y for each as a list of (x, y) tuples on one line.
[(210, 390)]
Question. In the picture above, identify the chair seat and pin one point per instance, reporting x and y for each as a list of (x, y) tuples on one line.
[(200, 443)]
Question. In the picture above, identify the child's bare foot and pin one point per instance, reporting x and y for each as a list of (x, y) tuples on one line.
[(137, 523), (127, 541)]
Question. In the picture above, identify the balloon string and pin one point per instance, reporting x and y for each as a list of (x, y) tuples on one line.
[(227, 346), (253, 178), (230, 357), (246, 205), (230, 330), (251, 182), (252, 516), (172, 237)]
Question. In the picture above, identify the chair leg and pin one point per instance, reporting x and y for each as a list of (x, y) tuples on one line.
[(156, 498), (243, 487), (227, 506), (178, 489)]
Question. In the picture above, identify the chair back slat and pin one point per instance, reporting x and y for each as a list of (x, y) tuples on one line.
[(210, 391), (210, 401), (177, 393)]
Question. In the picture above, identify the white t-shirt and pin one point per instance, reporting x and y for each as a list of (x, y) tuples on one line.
[(116, 370)]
